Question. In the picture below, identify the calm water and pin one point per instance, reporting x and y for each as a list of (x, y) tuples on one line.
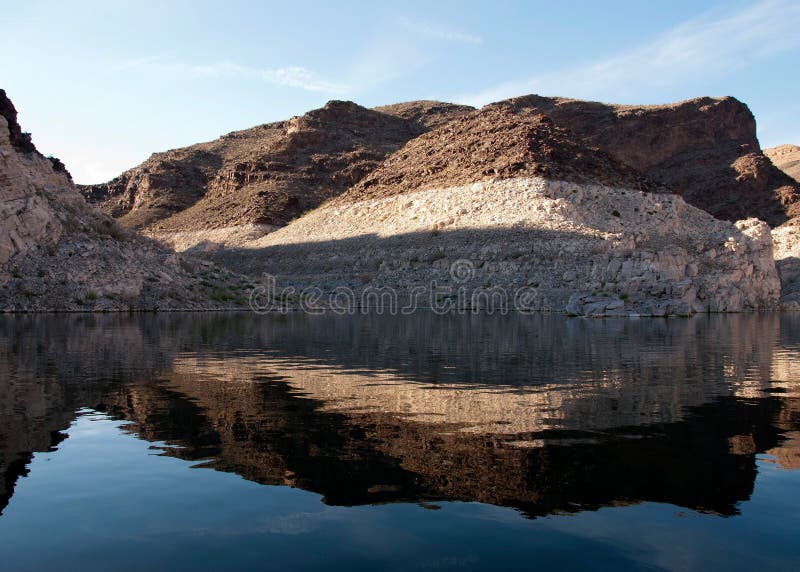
[(227, 441)]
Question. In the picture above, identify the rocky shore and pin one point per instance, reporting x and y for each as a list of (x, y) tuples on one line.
[(564, 246)]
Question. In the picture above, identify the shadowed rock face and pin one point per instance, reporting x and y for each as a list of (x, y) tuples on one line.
[(268, 174), (362, 409), (705, 149), (786, 158)]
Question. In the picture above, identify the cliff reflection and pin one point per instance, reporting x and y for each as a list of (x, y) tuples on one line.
[(540, 413)]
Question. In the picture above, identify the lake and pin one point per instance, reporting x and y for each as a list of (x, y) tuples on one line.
[(471, 442)]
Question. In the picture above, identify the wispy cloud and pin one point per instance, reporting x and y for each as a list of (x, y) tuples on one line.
[(706, 45), (291, 76), (439, 31), (138, 62), (400, 47)]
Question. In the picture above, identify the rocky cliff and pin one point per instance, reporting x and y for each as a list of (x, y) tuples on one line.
[(705, 149), (59, 253), (266, 175), (524, 208), (786, 158)]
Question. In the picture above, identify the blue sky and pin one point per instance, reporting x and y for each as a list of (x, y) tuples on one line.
[(104, 84)]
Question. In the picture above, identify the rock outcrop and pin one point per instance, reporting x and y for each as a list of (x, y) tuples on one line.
[(59, 253), (786, 240), (786, 158), (504, 205), (494, 143), (705, 149), (264, 176)]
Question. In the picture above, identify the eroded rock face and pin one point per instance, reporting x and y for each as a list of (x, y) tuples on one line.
[(786, 158), (266, 175), (787, 259), (705, 149), (26, 219), (528, 243), (59, 253)]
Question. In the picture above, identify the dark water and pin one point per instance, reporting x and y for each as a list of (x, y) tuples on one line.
[(239, 442)]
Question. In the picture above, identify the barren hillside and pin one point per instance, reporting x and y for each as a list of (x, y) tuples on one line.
[(498, 200), (266, 175)]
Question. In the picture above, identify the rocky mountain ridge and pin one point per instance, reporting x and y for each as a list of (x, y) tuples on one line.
[(491, 144), (704, 149), (266, 175)]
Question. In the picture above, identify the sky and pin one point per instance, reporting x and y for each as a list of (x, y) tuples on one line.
[(103, 84)]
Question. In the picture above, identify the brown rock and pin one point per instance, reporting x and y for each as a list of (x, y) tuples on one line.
[(705, 149), (493, 143), (268, 174)]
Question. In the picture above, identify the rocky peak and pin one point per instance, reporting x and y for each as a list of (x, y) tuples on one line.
[(266, 175), (705, 149), (429, 113), (494, 143)]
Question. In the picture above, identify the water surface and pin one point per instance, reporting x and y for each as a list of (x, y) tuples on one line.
[(203, 441)]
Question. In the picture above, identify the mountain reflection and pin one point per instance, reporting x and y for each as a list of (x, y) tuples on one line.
[(541, 413)]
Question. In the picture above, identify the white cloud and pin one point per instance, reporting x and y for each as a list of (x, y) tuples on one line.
[(706, 45), (439, 32), (291, 76)]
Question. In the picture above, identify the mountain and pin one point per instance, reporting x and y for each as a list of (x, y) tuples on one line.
[(266, 175), (501, 202), (59, 253), (786, 158), (705, 149), (256, 180), (584, 203)]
